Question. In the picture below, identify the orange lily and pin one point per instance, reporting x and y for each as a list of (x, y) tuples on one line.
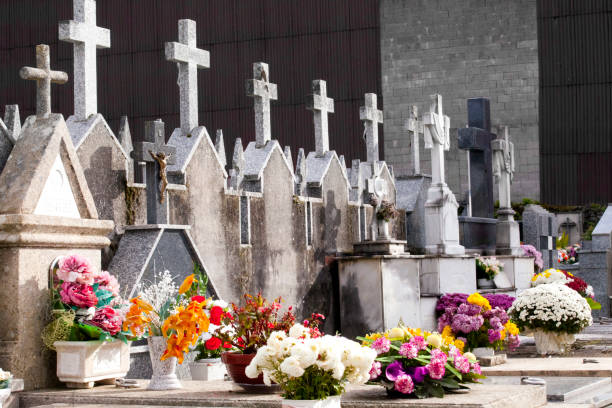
[(186, 285)]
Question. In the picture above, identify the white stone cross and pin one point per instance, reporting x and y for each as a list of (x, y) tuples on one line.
[(415, 126), (189, 58), (437, 138), (86, 37), (503, 167), (263, 92), (43, 76), (321, 105), (371, 117)]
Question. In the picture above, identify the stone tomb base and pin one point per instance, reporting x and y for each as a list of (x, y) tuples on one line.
[(226, 394)]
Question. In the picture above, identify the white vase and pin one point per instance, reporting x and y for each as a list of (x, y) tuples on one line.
[(164, 372), (383, 230), (208, 369), (552, 342), (81, 363), (329, 402)]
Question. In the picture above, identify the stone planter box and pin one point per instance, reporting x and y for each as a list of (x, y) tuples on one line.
[(207, 369), (81, 363)]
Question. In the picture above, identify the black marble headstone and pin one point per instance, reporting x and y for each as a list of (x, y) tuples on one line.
[(477, 139)]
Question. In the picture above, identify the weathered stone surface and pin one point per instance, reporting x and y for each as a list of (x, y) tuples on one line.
[(602, 232), (262, 91), (371, 117), (552, 366), (320, 105), (540, 230), (411, 197)]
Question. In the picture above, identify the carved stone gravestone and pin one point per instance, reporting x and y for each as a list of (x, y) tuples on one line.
[(540, 230)]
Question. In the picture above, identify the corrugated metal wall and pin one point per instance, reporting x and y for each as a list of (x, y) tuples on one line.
[(575, 49), (336, 40)]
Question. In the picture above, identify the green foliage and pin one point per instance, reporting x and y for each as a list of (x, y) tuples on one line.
[(563, 241), (314, 384), (591, 214), (595, 305)]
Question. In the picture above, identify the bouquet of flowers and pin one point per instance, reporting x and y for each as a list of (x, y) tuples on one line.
[(568, 255), (500, 300), (411, 362), (488, 268), (552, 307), (5, 379), (570, 280), (210, 346), (530, 250), (478, 324), (309, 366), (86, 303)]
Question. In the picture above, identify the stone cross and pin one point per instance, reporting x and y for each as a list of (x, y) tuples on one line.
[(436, 127), (371, 117), (476, 139), (503, 167), (188, 58), (321, 105), (157, 155), (415, 127), (43, 76), (86, 37), (263, 92)]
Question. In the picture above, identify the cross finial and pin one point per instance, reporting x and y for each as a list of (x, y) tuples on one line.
[(321, 105), (86, 37), (415, 126), (371, 117), (43, 76), (189, 58), (263, 92), (157, 155)]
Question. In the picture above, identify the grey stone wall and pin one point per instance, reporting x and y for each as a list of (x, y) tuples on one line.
[(462, 49)]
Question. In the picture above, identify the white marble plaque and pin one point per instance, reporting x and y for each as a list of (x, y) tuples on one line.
[(57, 197)]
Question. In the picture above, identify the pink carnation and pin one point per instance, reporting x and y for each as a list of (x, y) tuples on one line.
[(409, 350), (376, 370), (436, 370), (108, 319), (476, 368), (381, 345), (75, 294), (462, 364), (404, 384), (107, 282), (419, 342), (75, 268), (438, 355)]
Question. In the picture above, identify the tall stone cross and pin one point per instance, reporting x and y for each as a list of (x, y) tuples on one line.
[(43, 76), (476, 138), (86, 37), (503, 167), (371, 117), (263, 92), (321, 105), (415, 127), (189, 58), (436, 127), (157, 156)]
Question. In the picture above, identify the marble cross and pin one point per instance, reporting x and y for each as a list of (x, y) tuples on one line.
[(158, 156), (263, 92), (436, 128), (415, 127), (189, 58), (43, 76), (86, 37), (371, 117), (503, 167), (321, 105)]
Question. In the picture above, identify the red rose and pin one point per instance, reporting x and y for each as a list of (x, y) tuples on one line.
[(198, 299), (213, 343), (227, 345), (215, 315)]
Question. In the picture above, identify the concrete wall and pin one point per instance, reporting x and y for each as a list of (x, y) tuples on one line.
[(462, 49)]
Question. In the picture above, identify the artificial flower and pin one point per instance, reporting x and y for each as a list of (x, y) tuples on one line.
[(76, 269), (108, 319), (186, 285), (404, 384), (77, 294)]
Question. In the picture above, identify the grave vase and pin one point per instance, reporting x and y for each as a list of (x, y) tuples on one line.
[(164, 372), (236, 363), (383, 230), (329, 402), (485, 284), (207, 369), (5, 391), (552, 342)]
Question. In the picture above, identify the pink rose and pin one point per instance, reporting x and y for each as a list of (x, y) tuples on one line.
[(108, 319), (75, 268), (107, 282), (79, 295)]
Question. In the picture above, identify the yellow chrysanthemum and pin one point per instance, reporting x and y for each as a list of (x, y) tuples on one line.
[(511, 328), (459, 344), (477, 299), (447, 331)]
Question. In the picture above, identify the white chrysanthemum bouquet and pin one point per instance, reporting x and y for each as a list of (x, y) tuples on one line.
[(309, 368)]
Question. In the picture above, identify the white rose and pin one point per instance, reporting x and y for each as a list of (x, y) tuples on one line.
[(297, 331), (338, 371), (291, 367), (251, 370), (304, 354)]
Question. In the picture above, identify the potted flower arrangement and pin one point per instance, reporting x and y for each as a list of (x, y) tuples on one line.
[(554, 312), (162, 317), (312, 370), (553, 275), (568, 255), (5, 385), (413, 363), (385, 212), (207, 365), (486, 270), (531, 251), (86, 330), (484, 329)]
